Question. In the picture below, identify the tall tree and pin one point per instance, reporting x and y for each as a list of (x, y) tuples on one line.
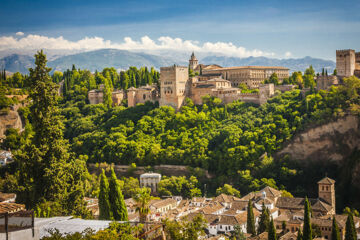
[(107, 93), (335, 233), (307, 230), (350, 231), (116, 198), (104, 203), (272, 231), (47, 172), (250, 227), (299, 235), (264, 220), (142, 199)]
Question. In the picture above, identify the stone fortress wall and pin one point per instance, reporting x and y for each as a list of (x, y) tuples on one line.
[(212, 80)]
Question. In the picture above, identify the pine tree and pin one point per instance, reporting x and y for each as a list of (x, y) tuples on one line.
[(300, 235), (323, 72), (104, 204), (335, 234), (117, 203), (250, 227), (264, 220), (48, 173), (272, 231), (350, 231), (307, 230)]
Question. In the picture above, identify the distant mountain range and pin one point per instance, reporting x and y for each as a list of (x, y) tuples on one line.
[(299, 64), (122, 59)]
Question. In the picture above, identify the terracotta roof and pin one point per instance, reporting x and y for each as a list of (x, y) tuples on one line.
[(6, 196), (289, 236), (327, 180), (298, 203), (162, 202), (270, 192), (262, 236), (226, 198), (11, 207), (198, 199), (265, 201), (211, 208)]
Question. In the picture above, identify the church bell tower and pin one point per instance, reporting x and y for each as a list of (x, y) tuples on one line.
[(193, 62), (327, 191)]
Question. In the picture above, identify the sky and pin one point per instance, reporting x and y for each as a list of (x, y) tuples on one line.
[(242, 28)]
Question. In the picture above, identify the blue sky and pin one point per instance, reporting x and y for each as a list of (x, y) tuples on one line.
[(302, 28)]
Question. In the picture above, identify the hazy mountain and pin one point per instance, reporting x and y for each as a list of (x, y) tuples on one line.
[(122, 59), (299, 64), (17, 63), (119, 59)]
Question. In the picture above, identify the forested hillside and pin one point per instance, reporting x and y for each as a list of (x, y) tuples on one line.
[(234, 142)]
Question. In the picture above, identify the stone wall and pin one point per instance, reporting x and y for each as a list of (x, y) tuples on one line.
[(333, 141), (11, 119), (325, 82)]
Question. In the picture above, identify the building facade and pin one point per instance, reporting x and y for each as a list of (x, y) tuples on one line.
[(347, 63), (252, 76), (141, 95), (150, 180), (174, 86)]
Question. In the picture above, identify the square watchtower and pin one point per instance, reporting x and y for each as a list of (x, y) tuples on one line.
[(327, 192)]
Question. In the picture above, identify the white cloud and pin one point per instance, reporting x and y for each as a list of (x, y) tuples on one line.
[(33, 42), (19, 34), (288, 54)]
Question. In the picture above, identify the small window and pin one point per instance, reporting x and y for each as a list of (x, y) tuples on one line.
[(144, 96), (327, 188)]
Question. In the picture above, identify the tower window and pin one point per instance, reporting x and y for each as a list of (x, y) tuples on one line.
[(327, 188)]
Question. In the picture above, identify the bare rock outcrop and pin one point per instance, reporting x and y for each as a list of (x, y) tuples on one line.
[(334, 141)]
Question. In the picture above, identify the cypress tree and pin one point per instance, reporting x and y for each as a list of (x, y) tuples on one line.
[(250, 226), (272, 231), (104, 204), (116, 198), (264, 220), (307, 223), (350, 231), (107, 93), (335, 233), (300, 235), (49, 173)]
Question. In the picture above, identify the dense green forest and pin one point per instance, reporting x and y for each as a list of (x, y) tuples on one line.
[(234, 142)]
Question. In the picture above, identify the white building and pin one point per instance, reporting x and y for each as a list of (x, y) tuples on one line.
[(150, 180)]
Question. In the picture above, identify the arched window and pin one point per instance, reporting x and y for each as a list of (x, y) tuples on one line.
[(144, 96)]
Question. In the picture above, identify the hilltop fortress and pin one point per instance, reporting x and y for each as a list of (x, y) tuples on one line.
[(223, 82), (210, 80)]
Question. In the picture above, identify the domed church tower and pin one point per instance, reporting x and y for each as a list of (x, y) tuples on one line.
[(193, 62)]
